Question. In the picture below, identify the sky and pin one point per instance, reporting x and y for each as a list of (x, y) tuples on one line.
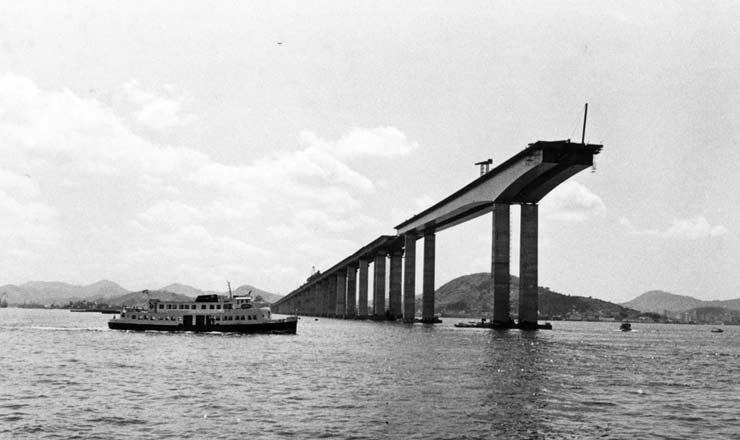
[(197, 142)]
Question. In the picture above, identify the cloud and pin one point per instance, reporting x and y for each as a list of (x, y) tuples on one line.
[(15, 183), (80, 137), (377, 142), (572, 201), (28, 228), (158, 111), (78, 180), (686, 229)]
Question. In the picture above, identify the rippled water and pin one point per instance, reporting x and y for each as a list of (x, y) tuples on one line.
[(65, 375)]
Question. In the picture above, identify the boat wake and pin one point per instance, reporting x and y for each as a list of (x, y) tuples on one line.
[(56, 329)]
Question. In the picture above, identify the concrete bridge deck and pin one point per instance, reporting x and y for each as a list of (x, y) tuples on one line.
[(523, 179)]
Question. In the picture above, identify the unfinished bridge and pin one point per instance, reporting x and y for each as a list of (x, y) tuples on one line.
[(524, 179)]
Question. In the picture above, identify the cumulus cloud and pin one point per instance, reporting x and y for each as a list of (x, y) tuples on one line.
[(687, 229), (573, 202), (379, 142), (158, 111), (112, 203), (28, 227)]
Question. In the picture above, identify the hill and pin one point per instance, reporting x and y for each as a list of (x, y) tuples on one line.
[(472, 296), (104, 292), (46, 292), (140, 299), (658, 301), (192, 292), (182, 289), (267, 297)]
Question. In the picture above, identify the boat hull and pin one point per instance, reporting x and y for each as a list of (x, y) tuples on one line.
[(282, 326)]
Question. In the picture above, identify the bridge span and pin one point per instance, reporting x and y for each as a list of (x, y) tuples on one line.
[(524, 179)]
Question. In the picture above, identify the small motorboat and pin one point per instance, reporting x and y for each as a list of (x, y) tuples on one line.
[(625, 327), (717, 330)]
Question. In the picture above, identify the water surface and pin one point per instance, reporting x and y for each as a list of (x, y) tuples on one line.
[(65, 375)]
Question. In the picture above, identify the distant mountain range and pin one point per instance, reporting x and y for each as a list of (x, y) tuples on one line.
[(467, 296), (658, 301), (45, 292)]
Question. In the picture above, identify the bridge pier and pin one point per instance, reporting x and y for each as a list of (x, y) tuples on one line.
[(326, 312), (362, 300), (394, 288), (427, 311), (500, 264), (379, 286), (351, 291), (313, 308), (341, 295), (528, 297), (409, 277)]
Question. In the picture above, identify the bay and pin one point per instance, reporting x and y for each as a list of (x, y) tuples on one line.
[(65, 375)]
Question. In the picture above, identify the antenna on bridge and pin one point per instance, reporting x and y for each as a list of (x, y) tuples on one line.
[(485, 166), (583, 135), (585, 116)]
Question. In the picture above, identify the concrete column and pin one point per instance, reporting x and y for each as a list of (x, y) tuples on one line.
[(500, 264), (341, 294), (394, 287), (427, 305), (362, 297), (322, 297), (409, 277), (351, 291), (379, 286), (325, 299), (331, 287), (528, 298), (311, 301)]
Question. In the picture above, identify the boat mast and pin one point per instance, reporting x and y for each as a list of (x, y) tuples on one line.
[(229, 284)]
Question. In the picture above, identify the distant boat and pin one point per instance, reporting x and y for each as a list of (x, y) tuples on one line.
[(625, 327), (717, 330)]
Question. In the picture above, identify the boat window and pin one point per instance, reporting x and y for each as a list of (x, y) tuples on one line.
[(161, 306), (211, 307), (202, 307), (192, 306), (218, 306)]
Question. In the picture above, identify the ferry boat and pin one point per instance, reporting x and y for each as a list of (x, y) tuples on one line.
[(208, 313)]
